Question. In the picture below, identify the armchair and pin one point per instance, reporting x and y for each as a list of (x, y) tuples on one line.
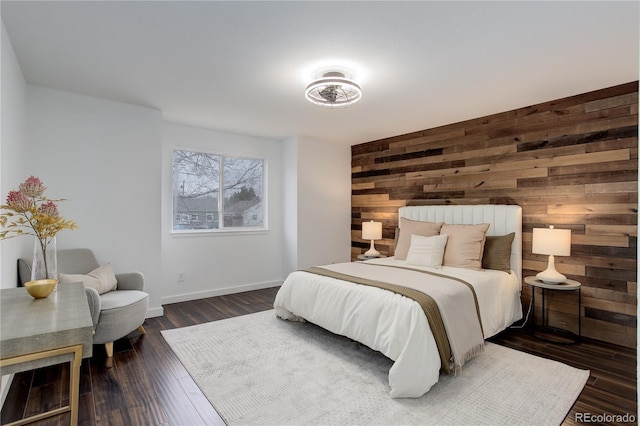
[(115, 313)]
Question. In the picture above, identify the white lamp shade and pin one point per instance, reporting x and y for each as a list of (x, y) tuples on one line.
[(551, 241), (554, 242), (371, 230)]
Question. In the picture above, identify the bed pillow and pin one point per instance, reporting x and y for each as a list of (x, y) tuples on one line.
[(427, 251), (497, 252), (102, 279), (465, 245), (410, 227)]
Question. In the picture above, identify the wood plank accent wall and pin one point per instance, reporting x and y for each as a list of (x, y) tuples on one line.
[(571, 163)]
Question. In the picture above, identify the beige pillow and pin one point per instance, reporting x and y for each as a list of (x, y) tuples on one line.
[(102, 279), (465, 245), (427, 251), (497, 252), (410, 227)]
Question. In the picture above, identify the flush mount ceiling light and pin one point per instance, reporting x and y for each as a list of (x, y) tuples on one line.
[(333, 90)]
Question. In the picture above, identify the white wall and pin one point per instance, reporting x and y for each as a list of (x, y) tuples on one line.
[(112, 161), (105, 158), (221, 263), (322, 202), (290, 201), (309, 190), (12, 151), (12, 137)]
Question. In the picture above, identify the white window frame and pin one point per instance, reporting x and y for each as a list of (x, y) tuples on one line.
[(221, 228)]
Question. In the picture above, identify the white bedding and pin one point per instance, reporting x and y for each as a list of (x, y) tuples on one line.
[(392, 324)]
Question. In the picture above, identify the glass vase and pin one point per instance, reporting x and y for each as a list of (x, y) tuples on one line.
[(45, 260)]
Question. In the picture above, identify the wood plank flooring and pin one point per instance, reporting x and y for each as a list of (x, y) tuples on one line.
[(149, 386)]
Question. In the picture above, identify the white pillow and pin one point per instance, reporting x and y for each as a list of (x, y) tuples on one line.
[(427, 251), (102, 279)]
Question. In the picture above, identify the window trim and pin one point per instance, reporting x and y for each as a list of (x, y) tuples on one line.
[(244, 230)]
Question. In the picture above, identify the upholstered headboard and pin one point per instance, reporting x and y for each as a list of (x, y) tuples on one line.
[(503, 219)]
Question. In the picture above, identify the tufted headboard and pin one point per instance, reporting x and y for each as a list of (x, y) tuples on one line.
[(503, 219)]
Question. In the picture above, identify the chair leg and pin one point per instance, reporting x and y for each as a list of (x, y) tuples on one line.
[(142, 330), (109, 348)]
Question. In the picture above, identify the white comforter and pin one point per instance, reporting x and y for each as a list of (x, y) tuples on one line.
[(393, 324)]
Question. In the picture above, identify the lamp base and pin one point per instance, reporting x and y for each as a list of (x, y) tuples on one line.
[(372, 252), (550, 275)]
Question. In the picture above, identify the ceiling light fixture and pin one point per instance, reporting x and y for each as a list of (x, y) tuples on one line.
[(333, 90)]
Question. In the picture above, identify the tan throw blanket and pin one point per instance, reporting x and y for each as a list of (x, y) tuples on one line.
[(449, 303)]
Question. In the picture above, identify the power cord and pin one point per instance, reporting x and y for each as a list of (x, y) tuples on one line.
[(526, 317)]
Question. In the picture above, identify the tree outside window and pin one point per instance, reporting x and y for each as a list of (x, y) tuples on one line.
[(217, 192)]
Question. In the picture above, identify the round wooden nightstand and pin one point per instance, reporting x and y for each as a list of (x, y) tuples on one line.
[(568, 285)]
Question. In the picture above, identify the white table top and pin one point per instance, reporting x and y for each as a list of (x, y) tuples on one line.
[(567, 285)]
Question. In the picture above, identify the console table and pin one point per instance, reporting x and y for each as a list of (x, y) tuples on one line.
[(36, 333)]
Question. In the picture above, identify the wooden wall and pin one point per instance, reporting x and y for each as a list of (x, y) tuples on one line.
[(572, 163)]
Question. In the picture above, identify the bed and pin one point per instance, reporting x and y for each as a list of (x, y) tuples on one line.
[(381, 302)]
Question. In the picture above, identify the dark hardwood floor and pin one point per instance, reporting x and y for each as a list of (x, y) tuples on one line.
[(149, 386)]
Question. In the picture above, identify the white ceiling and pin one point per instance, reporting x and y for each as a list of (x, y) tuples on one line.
[(243, 66)]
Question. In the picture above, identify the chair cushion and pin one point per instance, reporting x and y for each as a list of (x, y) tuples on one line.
[(102, 279), (122, 312), (121, 298)]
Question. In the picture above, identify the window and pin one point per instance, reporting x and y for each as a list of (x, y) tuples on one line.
[(217, 192)]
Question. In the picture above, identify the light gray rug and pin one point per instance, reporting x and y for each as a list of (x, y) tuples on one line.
[(257, 369)]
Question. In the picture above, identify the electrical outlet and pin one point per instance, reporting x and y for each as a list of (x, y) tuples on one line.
[(180, 277)]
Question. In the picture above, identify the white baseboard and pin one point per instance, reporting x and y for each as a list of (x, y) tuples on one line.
[(219, 292), (155, 312)]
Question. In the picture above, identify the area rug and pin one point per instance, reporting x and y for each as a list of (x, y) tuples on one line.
[(260, 370)]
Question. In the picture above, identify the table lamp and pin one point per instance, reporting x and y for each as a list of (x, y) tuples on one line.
[(372, 231), (554, 242)]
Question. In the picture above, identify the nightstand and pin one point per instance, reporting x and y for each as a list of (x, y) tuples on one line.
[(568, 285)]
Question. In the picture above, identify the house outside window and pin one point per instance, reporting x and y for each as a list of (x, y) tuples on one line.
[(217, 192)]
